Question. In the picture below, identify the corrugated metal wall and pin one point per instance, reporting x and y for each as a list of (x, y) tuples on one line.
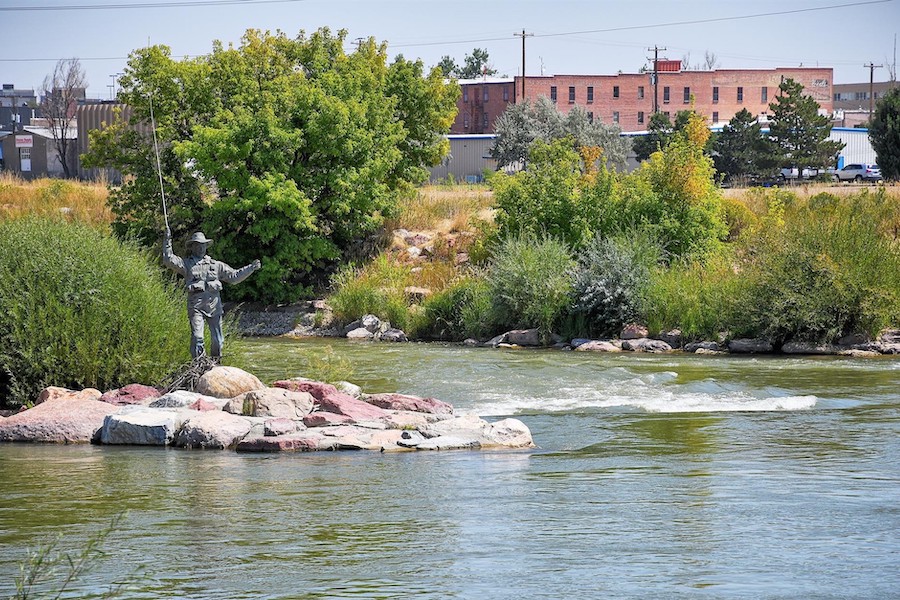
[(469, 156), (97, 116), (858, 148)]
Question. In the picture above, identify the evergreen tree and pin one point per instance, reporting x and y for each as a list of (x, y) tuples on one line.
[(885, 134), (741, 150), (798, 132), (659, 133)]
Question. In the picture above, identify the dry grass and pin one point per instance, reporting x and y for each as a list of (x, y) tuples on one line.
[(806, 190), (443, 209), (74, 200)]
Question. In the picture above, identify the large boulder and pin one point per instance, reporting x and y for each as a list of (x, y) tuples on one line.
[(61, 420), (508, 433), (597, 346), (696, 346), (344, 404), (320, 418), (633, 331), (53, 393), (750, 346), (133, 393), (393, 335), (360, 333), (646, 345), (280, 426), (294, 442), (271, 402), (141, 426), (227, 382), (809, 348), (889, 336), (524, 337), (213, 429), (410, 403), (185, 399), (672, 337)]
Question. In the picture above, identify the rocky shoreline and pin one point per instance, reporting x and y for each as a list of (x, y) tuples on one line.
[(305, 320), (232, 409)]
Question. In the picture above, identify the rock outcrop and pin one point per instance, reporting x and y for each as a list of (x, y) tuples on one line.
[(227, 382), (63, 419)]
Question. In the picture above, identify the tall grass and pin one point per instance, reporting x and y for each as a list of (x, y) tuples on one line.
[(443, 208), (81, 309), (75, 201)]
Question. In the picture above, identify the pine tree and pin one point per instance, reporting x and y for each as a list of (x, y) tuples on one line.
[(799, 133), (741, 150), (885, 134)]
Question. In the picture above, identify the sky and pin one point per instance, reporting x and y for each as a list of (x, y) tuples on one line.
[(569, 36)]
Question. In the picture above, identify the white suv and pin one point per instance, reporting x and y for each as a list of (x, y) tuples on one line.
[(858, 172)]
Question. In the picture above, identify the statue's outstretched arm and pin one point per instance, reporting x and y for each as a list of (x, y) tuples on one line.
[(169, 258), (229, 275)]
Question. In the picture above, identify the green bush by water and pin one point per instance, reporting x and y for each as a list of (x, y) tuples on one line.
[(81, 309)]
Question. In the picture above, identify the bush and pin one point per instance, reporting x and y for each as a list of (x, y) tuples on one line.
[(377, 290), (611, 279), (828, 271), (458, 311), (530, 283), (81, 309)]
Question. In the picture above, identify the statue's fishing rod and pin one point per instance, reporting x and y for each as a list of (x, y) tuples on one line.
[(162, 190)]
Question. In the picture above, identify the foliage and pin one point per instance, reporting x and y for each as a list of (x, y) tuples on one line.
[(82, 310), (610, 281), (59, 94), (523, 124), (377, 290), (884, 133), (673, 196), (474, 65), (328, 366), (460, 310), (798, 132), (285, 147), (660, 131), (79, 201), (530, 282), (741, 150), (702, 299), (827, 270)]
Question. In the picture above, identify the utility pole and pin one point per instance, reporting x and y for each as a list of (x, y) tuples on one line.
[(359, 42), (523, 35), (655, 50), (871, 66)]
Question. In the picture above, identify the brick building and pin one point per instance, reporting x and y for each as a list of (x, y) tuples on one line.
[(627, 99)]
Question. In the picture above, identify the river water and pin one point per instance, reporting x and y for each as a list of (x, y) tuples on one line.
[(655, 477)]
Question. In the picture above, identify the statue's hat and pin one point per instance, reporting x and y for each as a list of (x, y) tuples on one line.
[(199, 238)]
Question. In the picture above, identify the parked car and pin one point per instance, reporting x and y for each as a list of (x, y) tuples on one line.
[(795, 173), (858, 172)]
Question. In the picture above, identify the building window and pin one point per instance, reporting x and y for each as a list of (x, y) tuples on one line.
[(615, 116), (571, 94), (590, 117), (687, 95), (716, 95), (506, 94), (740, 95), (484, 121), (615, 91), (590, 92), (465, 94), (666, 95), (640, 92), (485, 93), (465, 121), (715, 117), (552, 93), (764, 95), (640, 116)]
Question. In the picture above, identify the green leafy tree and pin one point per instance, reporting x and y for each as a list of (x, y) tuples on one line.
[(885, 134), (797, 130), (521, 125), (474, 65), (741, 150), (660, 131), (285, 148)]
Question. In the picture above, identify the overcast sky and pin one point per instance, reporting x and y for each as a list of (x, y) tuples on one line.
[(570, 36)]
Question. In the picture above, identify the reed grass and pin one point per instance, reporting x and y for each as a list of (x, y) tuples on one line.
[(73, 200)]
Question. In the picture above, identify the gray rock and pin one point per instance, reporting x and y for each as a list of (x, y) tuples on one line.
[(141, 426), (212, 430), (708, 346), (646, 345), (371, 323), (809, 348), (673, 337), (272, 402), (750, 346), (709, 352), (227, 382), (360, 333), (393, 335), (633, 331), (496, 341), (471, 342), (524, 337), (889, 336), (183, 399), (449, 442), (860, 353), (508, 433), (280, 426), (597, 346), (351, 389), (854, 339), (579, 341)]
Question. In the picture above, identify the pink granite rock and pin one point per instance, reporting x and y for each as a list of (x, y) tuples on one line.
[(53, 392), (281, 443), (203, 405), (316, 389), (279, 426), (133, 393), (324, 419), (410, 403), (271, 402), (60, 420), (344, 404)]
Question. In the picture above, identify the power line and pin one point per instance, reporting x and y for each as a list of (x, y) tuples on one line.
[(176, 4)]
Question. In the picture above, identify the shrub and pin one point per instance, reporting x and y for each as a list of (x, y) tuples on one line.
[(81, 309), (611, 279), (828, 271), (530, 282), (377, 290), (458, 311)]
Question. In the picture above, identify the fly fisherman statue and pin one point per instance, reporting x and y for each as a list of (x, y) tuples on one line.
[(203, 278)]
